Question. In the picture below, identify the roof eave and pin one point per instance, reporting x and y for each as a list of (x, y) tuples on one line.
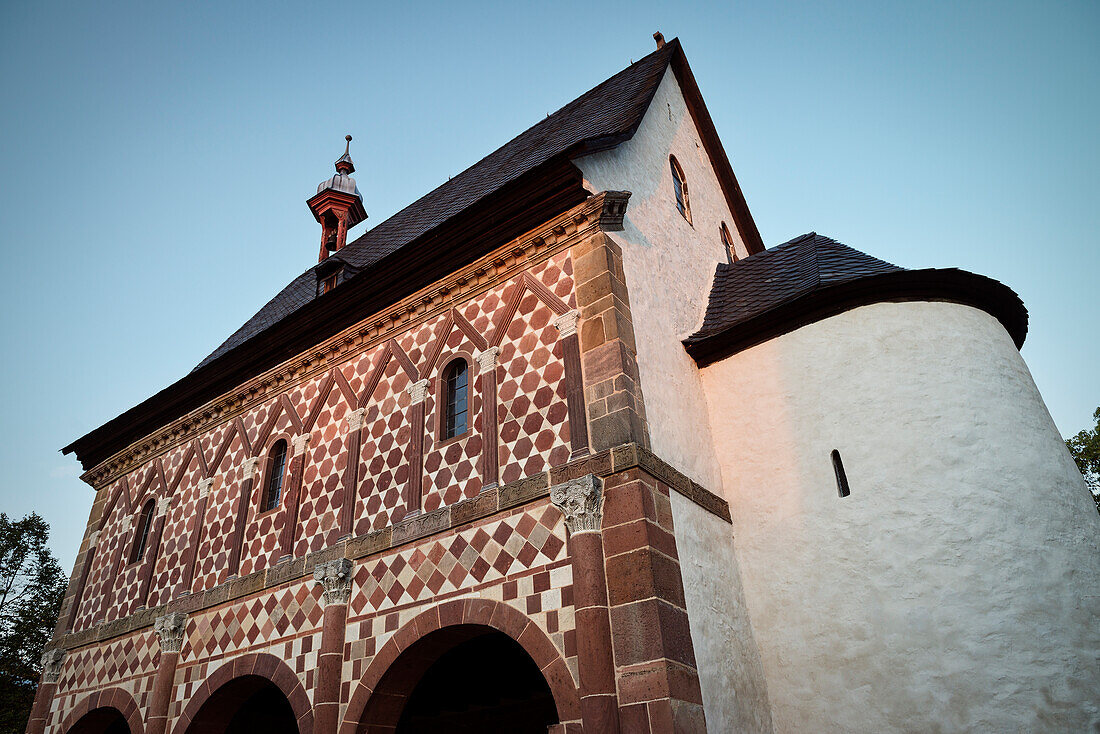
[(949, 285)]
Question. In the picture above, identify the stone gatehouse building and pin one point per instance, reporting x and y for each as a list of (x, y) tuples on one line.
[(562, 447)]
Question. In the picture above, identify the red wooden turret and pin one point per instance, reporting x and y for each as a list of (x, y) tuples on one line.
[(337, 205)]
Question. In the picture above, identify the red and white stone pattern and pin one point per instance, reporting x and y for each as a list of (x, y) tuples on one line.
[(533, 432)]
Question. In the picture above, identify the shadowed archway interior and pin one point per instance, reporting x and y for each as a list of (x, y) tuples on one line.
[(243, 705), (462, 679), (101, 721)]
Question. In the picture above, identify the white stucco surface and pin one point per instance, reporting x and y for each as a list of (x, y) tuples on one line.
[(958, 587), (669, 266), (735, 697)]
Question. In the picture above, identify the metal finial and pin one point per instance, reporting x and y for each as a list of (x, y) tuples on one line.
[(347, 148)]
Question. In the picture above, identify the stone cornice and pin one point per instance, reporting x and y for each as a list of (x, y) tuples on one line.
[(490, 502), (600, 211)]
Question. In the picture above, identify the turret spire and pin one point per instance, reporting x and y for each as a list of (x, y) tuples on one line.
[(337, 205)]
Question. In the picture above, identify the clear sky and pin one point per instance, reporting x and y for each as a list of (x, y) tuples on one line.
[(155, 159)]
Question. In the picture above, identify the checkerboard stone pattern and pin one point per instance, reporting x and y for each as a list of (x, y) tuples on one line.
[(179, 526), (273, 615), (262, 530), (384, 454), (450, 470), (101, 576), (322, 481), (532, 412), (212, 564), (460, 560)]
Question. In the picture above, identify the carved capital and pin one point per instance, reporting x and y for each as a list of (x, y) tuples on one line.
[(567, 323), (614, 210), (581, 501), (300, 443), (487, 360), (51, 664), (418, 391), (204, 487), (93, 539), (335, 576), (162, 505), (169, 629), (248, 468), (355, 419)]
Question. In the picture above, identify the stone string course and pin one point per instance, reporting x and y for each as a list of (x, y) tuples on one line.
[(488, 503)]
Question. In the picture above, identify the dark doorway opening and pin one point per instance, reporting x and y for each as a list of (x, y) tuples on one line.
[(245, 705), (464, 679), (101, 721)]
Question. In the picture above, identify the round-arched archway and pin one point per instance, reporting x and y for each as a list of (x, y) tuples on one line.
[(491, 670), (110, 711), (256, 692)]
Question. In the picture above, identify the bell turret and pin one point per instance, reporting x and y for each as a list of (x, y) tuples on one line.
[(337, 205)]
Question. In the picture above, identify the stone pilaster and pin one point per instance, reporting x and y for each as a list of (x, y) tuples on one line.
[(203, 492), (581, 502), (248, 477), (170, 633), (336, 578), (612, 390), (418, 391), (487, 370), (351, 471), (52, 661), (299, 446)]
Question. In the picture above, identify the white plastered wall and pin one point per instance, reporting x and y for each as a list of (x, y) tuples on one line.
[(735, 697), (958, 587), (669, 266)]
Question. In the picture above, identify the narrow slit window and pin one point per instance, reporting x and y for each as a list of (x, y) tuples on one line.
[(276, 467), (680, 187), (142, 536), (727, 242), (456, 381), (841, 480)]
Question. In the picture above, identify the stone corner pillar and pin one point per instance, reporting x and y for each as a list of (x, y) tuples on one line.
[(581, 502), (52, 660), (170, 633), (336, 579)]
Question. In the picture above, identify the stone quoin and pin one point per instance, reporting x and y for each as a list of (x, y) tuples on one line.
[(559, 448)]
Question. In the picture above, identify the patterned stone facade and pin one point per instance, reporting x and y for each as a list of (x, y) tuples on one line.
[(382, 523)]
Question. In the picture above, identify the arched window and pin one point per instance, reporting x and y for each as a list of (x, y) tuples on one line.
[(141, 536), (276, 467), (727, 242), (456, 394), (680, 186)]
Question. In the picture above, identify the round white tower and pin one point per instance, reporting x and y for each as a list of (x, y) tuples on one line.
[(957, 586)]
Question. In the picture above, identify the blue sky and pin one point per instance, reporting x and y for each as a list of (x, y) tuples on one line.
[(156, 159)]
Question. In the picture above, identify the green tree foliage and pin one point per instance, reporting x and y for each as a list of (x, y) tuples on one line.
[(31, 590), (1085, 449)]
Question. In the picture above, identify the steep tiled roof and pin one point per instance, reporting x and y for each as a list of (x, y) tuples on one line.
[(812, 277), (600, 118)]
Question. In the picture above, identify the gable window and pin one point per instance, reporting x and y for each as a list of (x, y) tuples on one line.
[(456, 394), (141, 536), (680, 187), (276, 467), (727, 242), (330, 282)]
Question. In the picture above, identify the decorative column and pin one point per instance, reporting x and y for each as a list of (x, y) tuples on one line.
[(415, 492), (78, 594), (51, 671), (196, 534), (299, 444), (351, 471), (566, 325), (487, 368), (169, 629), (581, 502), (336, 578), (248, 476), (154, 553)]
